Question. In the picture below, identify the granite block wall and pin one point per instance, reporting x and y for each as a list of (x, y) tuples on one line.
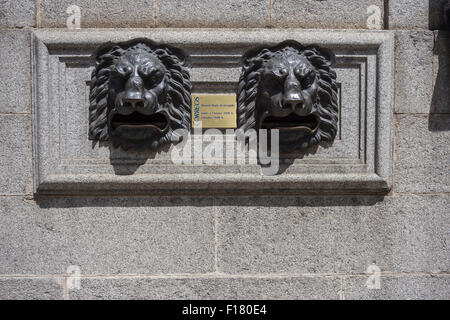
[(235, 247)]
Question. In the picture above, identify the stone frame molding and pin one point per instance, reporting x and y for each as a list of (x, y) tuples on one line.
[(58, 171)]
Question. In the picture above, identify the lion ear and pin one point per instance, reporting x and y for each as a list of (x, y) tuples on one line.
[(247, 61), (179, 53), (250, 56), (106, 52), (327, 54)]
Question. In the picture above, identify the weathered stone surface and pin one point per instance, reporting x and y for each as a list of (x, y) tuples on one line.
[(229, 288), (14, 13), (106, 235), (404, 287), (414, 71), (15, 158), (30, 289), (99, 14), (264, 244), (422, 154), (409, 14), (217, 13), (334, 234), (15, 89), (441, 64), (324, 14)]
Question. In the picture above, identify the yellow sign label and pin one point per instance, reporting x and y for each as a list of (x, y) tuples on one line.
[(214, 110)]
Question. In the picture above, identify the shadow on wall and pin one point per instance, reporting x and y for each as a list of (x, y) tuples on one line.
[(441, 93), (185, 201), (436, 16), (127, 162)]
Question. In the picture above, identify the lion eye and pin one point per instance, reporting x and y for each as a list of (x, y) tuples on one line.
[(146, 70), (283, 72), (124, 70), (153, 77), (308, 80)]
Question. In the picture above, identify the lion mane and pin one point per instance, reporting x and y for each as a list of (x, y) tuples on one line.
[(178, 99), (326, 102)]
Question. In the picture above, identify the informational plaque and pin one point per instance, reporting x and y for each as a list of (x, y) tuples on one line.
[(214, 110)]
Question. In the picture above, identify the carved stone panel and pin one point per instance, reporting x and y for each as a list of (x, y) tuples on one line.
[(68, 160)]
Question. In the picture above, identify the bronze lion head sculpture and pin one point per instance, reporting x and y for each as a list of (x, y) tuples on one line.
[(291, 88), (139, 94)]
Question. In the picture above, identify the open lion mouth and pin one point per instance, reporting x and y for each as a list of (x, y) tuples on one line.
[(137, 120), (292, 122)]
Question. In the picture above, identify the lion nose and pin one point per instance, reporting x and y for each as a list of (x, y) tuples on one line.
[(293, 102), (134, 93), (135, 101), (292, 98)]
